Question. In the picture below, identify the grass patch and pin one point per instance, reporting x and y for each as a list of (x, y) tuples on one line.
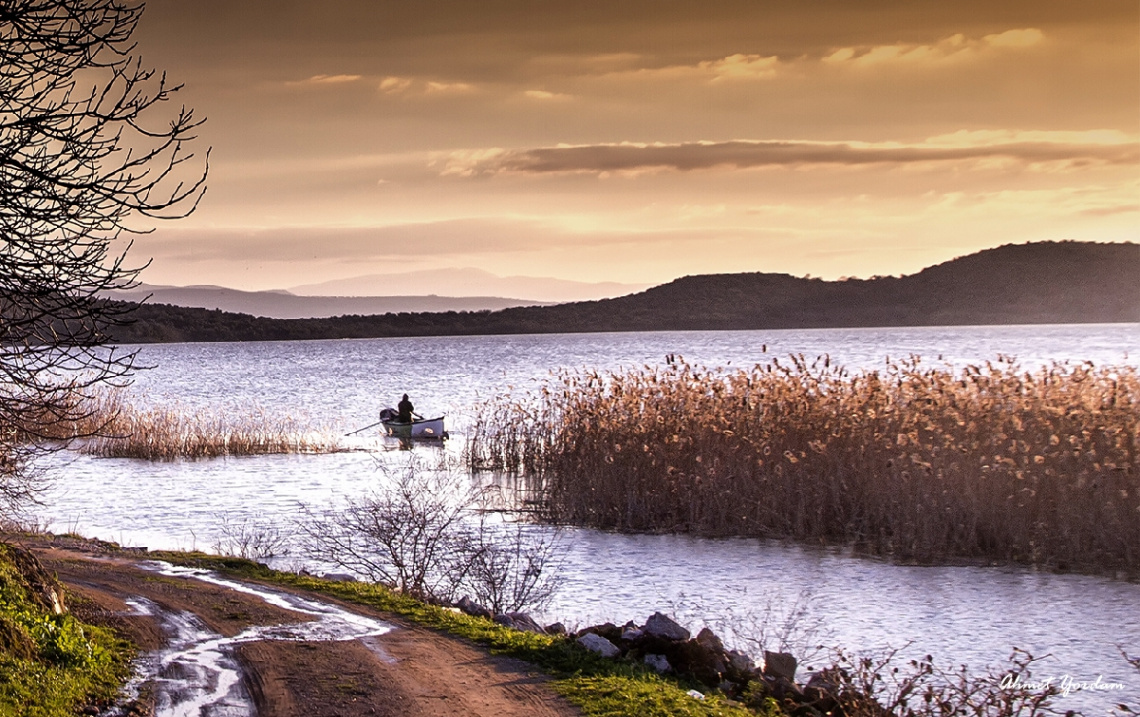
[(51, 664), (599, 687), (113, 427)]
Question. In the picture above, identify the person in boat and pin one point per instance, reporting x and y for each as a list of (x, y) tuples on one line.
[(404, 410)]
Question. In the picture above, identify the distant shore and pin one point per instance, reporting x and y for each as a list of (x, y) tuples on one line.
[(1043, 283)]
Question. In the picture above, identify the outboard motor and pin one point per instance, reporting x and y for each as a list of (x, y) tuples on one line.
[(389, 414)]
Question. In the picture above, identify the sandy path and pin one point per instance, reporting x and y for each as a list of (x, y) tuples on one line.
[(408, 670)]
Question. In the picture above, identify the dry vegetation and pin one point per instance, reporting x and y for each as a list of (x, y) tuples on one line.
[(116, 428), (919, 463)]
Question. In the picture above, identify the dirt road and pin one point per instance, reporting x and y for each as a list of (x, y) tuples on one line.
[(218, 647)]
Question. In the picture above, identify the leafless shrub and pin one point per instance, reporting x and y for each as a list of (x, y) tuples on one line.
[(513, 567), (250, 538), (774, 623), (877, 687), (1123, 709), (423, 534)]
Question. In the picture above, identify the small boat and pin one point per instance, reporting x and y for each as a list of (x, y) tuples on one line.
[(418, 428)]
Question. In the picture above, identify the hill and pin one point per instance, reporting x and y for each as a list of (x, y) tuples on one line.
[(1047, 282), (286, 305)]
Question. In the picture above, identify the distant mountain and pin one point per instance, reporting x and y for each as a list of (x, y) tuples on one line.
[(1047, 282), (468, 282), (286, 305)]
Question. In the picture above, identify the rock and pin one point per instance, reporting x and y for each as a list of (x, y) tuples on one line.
[(822, 693), (709, 640), (697, 661), (607, 630), (659, 625), (739, 662), (473, 608), (780, 664), (523, 621), (519, 621), (596, 643), (339, 577), (658, 663), (631, 634), (556, 629), (825, 681)]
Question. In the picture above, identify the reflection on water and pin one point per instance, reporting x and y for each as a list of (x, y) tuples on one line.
[(972, 615)]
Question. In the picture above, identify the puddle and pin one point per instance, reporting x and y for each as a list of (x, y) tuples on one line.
[(197, 674)]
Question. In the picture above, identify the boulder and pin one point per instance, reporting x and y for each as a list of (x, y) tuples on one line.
[(523, 621), (519, 621), (473, 608), (658, 663), (631, 634), (339, 577), (697, 661), (708, 639), (780, 664), (556, 629), (660, 625), (739, 661), (596, 643), (607, 630)]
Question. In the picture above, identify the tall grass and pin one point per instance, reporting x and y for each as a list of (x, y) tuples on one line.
[(920, 463), (117, 428)]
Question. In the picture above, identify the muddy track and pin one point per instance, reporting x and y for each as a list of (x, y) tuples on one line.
[(230, 648)]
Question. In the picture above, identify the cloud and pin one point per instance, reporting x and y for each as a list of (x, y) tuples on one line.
[(448, 87), (1015, 38), (543, 95), (738, 66), (732, 67), (1110, 211), (746, 154), (320, 80), (301, 245), (955, 48), (392, 84)]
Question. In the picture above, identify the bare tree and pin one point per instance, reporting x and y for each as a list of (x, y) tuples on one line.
[(86, 157)]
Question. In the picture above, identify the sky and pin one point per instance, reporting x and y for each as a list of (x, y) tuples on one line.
[(643, 140)]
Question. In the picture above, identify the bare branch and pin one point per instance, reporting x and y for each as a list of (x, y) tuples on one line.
[(85, 154)]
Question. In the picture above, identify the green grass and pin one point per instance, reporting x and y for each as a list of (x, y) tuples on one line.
[(599, 687), (51, 665)]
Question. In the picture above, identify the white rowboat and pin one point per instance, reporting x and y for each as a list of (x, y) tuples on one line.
[(420, 428)]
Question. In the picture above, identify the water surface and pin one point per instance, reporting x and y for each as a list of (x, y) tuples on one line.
[(971, 615)]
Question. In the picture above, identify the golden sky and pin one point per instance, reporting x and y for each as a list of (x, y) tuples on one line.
[(641, 140)]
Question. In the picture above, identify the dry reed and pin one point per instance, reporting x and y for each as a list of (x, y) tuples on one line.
[(919, 463), (119, 429)]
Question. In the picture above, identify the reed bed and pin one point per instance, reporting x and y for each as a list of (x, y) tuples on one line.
[(117, 428), (923, 464)]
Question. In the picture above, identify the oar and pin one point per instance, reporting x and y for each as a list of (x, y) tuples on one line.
[(373, 425)]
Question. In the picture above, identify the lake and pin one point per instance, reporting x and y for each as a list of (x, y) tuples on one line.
[(967, 614)]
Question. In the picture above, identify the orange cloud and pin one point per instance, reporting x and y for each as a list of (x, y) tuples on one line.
[(393, 84), (952, 49), (745, 154), (317, 80)]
